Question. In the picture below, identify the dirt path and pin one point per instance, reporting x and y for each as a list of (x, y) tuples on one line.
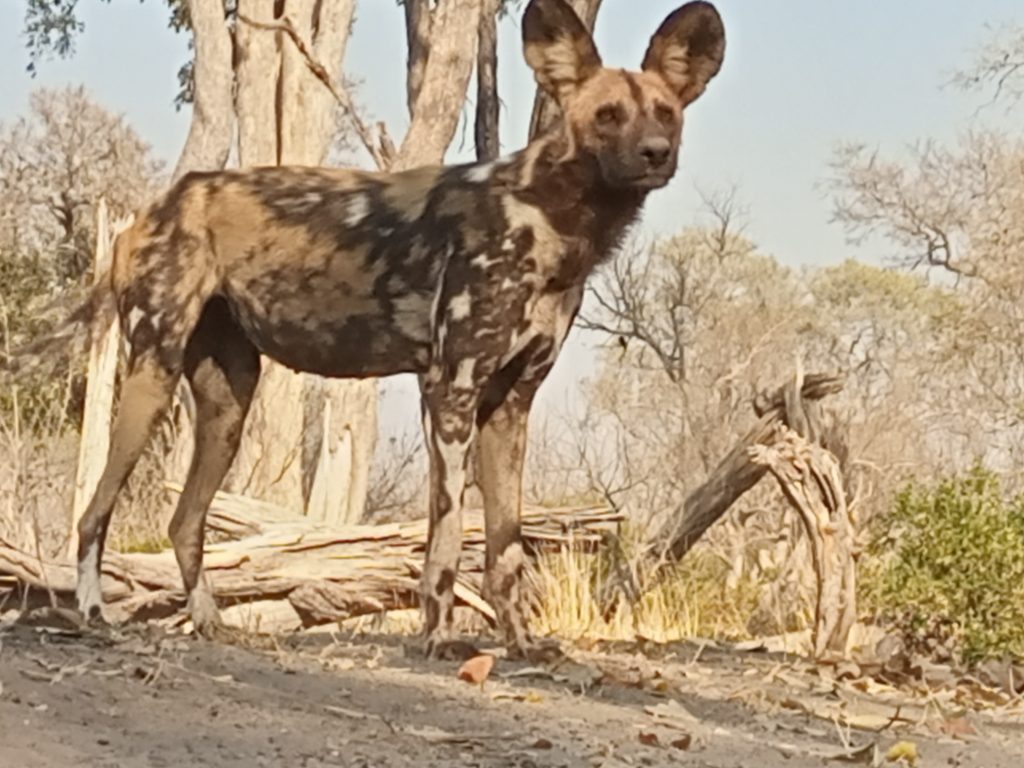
[(138, 697)]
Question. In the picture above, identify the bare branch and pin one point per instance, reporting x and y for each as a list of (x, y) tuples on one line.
[(377, 149), (999, 66)]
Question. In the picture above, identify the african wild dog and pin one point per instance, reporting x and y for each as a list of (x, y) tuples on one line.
[(469, 276)]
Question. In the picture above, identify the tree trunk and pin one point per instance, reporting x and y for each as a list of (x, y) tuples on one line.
[(269, 462), (210, 132), (99, 387), (811, 479), (343, 432), (438, 94), (286, 116), (485, 133)]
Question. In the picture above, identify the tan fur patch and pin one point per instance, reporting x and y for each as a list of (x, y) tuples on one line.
[(407, 192), (548, 247)]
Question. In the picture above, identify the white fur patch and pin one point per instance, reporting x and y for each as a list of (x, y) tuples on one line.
[(460, 306), (483, 261), (464, 375), (134, 318), (509, 560), (548, 246), (201, 605), (88, 591), (357, 209), (480, 173), (483, 172), (453, 458)]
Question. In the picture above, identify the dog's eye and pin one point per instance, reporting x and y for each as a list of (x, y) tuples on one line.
[(664, 114), (610, 114)]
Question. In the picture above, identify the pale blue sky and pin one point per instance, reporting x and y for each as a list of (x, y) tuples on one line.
[(799, 76)]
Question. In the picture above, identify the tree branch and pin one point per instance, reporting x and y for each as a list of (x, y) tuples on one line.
[(377, 149)]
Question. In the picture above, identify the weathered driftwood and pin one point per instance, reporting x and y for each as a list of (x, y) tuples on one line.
[(791, 442), (811, 479), (737, 473), (290, 573)]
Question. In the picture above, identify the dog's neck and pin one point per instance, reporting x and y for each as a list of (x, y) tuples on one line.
[(567, 185)]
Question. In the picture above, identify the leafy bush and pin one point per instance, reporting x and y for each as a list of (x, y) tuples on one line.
[(947, 567)]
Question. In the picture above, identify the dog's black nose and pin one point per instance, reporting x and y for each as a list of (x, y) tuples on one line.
[(655, 151)]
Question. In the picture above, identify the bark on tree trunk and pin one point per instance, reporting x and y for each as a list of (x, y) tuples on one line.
[(811, 479), (99, 388), (417, 38), (213, 119), (485, 133), (437, 96)]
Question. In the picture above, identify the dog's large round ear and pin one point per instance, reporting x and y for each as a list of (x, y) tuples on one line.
[(558, 47), (688, 48)]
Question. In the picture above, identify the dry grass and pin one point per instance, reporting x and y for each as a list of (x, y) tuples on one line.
[(38, 457), (688, 600), (143, 510), (37, 464)]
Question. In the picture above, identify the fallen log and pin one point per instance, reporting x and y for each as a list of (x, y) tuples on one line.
[(287, 572)]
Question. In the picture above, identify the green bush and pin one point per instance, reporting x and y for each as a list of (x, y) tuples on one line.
[(947, 565)]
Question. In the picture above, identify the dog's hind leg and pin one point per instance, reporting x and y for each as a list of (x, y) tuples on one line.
[(145, 395), (223, 368)]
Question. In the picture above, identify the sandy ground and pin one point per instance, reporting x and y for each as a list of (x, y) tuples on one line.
[(139, 697)]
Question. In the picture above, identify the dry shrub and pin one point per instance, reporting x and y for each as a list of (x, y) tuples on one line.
[(38, 451)]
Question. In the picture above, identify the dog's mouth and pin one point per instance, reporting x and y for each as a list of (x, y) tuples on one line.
[(650, 180)]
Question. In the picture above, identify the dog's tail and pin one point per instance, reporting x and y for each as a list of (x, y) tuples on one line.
[(71, 336)]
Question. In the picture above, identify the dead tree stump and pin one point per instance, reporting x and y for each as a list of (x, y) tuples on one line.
[(811, 479), (806, 457)]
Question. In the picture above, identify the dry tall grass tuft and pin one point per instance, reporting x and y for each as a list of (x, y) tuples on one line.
[(692, 599)]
